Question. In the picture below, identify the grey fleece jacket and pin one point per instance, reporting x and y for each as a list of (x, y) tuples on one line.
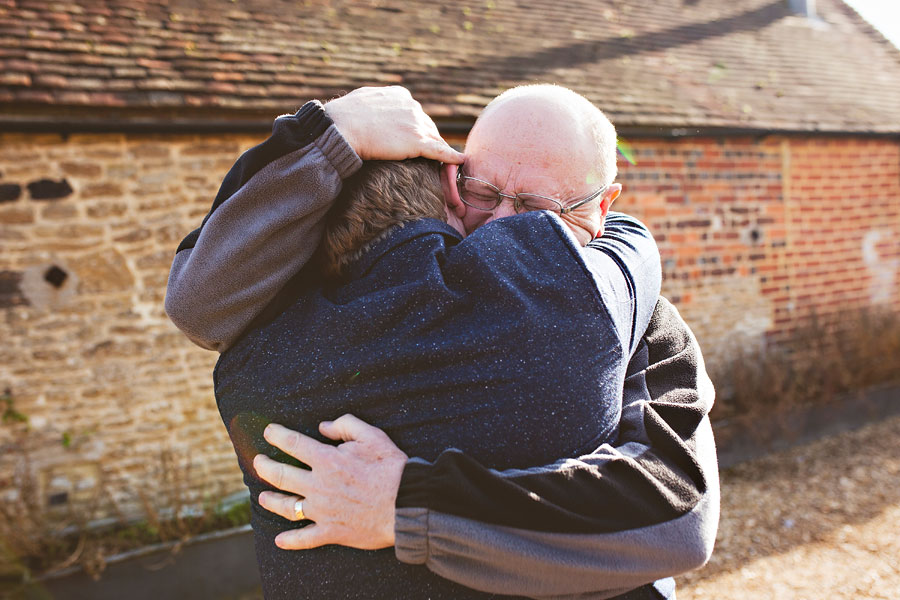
[(623, 516)]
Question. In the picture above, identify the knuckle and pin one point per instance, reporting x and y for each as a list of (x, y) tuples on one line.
[(294, 442), (277, 475)]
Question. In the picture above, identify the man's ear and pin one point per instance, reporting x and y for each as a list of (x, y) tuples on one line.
[(451, 193), (609, 196)]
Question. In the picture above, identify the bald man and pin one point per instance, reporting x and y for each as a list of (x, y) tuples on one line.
[(642, 508)]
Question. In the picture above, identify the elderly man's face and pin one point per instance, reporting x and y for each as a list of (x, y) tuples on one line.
[(522, 147)]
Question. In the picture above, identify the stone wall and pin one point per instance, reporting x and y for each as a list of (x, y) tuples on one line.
[(755, 234), (112, 390)]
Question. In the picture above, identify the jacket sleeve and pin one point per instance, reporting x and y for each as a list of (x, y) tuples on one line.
[(627, 272), (587, 527), (265, 223)]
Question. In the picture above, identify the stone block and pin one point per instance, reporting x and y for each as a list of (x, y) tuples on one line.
[(170, 234), (69, 232), (161, 259), (11, 234), (155, 279), (164, 202), (81, 169), (101, 190), (136, 235), (194, 182), (96, 139), (115, 350), (48, 355), (59, 212), (101, 210), (151, 151), (104, 271), (121, 171), (155, 296), (16, 215), (210, 147)]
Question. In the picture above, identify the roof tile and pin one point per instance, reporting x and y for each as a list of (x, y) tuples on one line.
[(672, 63)]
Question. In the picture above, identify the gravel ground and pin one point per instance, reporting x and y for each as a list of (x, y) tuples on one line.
[(818, 521)]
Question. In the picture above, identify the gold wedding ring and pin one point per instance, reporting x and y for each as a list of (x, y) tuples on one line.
[(298, 511)]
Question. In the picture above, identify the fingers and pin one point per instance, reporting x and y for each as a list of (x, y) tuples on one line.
[(311, 536), (442, 151), (283, 505), (302, 447), (347, 428), (387, 123), (284, 477)]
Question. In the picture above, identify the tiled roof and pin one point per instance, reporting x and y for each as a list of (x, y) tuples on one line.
[(671, 63)]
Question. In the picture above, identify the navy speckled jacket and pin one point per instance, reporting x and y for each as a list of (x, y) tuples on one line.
[(475, 344)]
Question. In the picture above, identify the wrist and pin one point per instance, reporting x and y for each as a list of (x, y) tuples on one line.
[(342, 121), (305, 125)]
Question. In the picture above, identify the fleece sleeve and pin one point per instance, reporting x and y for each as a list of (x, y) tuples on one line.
[(265, 223), (587, 527)]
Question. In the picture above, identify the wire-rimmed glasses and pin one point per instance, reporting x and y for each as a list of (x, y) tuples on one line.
[(481, 195)]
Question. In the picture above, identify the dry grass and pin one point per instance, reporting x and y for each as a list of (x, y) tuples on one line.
[(826, 358), (36, 539)]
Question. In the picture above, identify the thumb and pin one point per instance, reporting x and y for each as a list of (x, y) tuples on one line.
[(438, 149), (346, 428)]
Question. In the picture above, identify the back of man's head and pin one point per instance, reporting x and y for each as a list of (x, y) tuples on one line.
[(381, 195)]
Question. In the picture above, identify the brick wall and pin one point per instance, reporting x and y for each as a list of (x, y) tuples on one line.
[(755, 234)]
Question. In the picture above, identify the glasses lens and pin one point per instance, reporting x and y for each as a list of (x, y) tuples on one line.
[(531, 202), (477, 194)]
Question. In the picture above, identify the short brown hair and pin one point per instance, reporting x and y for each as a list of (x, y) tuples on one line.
[(382, 194)]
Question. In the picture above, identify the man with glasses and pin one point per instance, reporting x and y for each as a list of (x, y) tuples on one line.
[(606, 521)]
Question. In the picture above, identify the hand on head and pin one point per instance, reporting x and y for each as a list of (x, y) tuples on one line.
[(540, 139), (386, 123)]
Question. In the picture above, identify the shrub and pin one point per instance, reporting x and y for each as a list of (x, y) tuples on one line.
[(36, 539), (818, 361)]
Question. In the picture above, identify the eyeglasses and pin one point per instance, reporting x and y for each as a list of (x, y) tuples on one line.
[(481, 195)]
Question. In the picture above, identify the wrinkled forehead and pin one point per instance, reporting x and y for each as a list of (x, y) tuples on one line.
[(530, 143)]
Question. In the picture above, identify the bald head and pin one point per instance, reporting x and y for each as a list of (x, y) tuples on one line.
[(552, 127), (545, 140)]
